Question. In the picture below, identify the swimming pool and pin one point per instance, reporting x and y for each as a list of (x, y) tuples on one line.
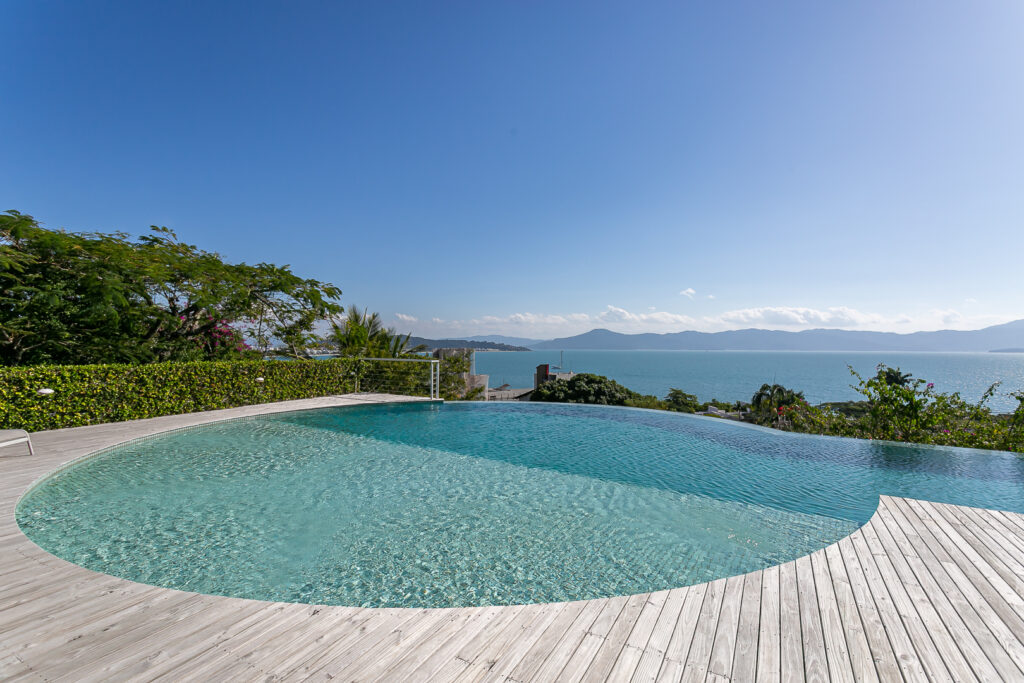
[(462, 504)]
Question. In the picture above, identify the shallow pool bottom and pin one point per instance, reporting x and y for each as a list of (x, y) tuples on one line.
[(442, 506)]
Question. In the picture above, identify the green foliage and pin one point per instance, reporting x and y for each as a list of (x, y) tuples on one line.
[(898, 407), (1016, 420), (588, 388), (362, 334), (597, 389), (818, 420), (74, 298), (721, 405), (682, 402), (646, 401), (854, 409), (94, 394), (474, 394), (359, 335), (453, 371), (893, 376), (914, 411), (772, 403)]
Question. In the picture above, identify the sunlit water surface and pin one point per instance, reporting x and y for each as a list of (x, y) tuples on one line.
[(426, 505)]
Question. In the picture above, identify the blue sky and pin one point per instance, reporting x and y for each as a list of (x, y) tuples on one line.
[(539, 169)]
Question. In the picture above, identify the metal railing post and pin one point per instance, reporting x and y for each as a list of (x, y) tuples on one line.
[(433, 365)]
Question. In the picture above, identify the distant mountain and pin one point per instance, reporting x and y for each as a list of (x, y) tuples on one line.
[(1009, 335), (432, 344), (500, 339)]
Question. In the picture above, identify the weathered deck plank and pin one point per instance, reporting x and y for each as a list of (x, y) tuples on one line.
[(922, 590), (631, 654), (682, 636), (837, 654), (970, 619), (769, 636)]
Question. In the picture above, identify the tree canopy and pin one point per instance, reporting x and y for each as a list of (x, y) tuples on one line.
[(75, 298), (682, 402)]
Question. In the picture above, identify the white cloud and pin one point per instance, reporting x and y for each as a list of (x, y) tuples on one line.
[(688, 292), (948, 316), (406, 318), (711, 296), (795, 316), (644, 322)]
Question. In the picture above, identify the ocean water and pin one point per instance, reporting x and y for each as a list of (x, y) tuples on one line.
[(462, 504), (736, 375)]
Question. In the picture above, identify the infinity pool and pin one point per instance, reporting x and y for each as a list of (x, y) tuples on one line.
[(461, 504)]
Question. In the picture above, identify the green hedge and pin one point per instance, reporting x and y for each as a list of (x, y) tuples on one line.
[(94, 394)]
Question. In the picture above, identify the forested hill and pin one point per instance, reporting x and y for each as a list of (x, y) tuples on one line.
[(432, 344), (1008, 335)]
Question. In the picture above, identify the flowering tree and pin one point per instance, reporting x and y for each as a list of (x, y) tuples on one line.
[(898, 406), (75, 298), (901, 408)]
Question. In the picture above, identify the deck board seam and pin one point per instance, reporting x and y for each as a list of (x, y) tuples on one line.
[(986, 540), (992, 582), (700, 608), (924, 571), (906, 511), (821, 615), (925, 609), (735, 630), (757, 632), (872, 603), (896, 624)]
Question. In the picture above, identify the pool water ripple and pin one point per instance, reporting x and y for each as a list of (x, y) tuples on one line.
[(422, 505)]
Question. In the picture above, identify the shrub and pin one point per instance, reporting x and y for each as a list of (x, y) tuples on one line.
[(589, 388), (94, 394)]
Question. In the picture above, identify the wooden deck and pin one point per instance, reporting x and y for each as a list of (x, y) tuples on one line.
[(922, 592)]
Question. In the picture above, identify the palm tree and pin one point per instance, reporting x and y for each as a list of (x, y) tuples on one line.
[(399, 346), (360, 333), (356, 332), (770, 398)]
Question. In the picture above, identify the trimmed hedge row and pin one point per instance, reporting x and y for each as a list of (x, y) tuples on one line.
[(94, 394)]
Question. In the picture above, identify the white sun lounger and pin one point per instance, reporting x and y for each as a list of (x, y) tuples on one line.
[(12, 437)]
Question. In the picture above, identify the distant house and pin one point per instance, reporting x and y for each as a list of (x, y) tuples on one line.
[(712, 410), (544, 374), (509, 394)]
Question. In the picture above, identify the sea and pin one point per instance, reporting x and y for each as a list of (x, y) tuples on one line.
[(736, 375)]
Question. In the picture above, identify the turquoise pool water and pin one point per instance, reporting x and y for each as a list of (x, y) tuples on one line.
[(427, 505)]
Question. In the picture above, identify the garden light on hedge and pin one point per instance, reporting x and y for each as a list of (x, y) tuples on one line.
[(260, 380), (45, 392)]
